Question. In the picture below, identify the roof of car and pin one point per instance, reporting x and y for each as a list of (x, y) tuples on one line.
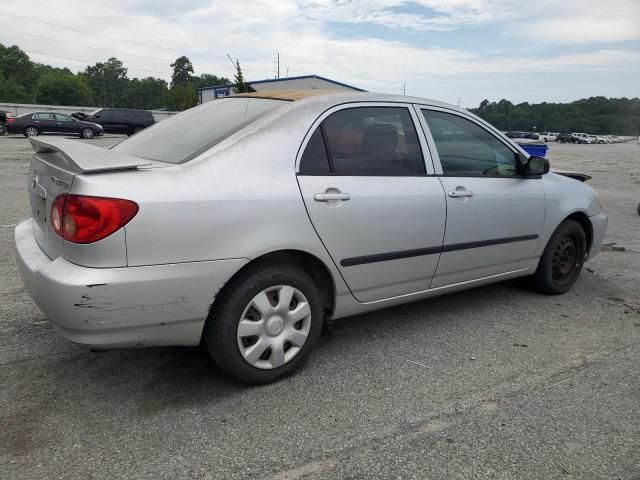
[(289, 95), (342, 96)]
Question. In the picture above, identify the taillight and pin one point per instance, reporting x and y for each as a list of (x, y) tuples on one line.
[(11, 119), (83, 219)]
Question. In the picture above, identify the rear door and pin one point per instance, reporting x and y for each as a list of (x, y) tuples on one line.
[(372, 199), (494, 214), (46, 122), (106, 119)]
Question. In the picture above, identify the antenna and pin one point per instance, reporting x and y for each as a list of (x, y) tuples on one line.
[(231, 60)]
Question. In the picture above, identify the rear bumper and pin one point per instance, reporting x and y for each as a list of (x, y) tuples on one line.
[(121, 307), (599, 223)]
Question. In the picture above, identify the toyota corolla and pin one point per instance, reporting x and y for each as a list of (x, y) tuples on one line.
[(248, 223)]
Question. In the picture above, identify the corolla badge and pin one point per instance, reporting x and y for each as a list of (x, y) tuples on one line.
[(37, 188)]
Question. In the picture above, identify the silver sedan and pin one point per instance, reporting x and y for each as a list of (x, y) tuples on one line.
[(249, 223)]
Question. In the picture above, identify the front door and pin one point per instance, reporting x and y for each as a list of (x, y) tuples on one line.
[(494, 214), (66, 124), (370, 198)]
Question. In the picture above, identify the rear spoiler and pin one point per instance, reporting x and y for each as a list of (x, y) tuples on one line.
[(84, 158), (583, 177)]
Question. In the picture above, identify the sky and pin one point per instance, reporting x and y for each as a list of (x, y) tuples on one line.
[(457, 51)]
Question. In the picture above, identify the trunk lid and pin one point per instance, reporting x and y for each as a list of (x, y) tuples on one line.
[(54, 165)]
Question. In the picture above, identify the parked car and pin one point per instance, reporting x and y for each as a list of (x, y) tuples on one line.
[(34, 124), (567, 138), (530, 135), (548, 136), (514, 134), (247, 223), (5, 117), (584, 137), (119, 120)]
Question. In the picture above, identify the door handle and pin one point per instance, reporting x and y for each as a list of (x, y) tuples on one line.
[(460, 193), (326, 197)]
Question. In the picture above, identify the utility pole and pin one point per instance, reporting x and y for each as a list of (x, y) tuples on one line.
[(277, 62), (404, 88), (459, 101)]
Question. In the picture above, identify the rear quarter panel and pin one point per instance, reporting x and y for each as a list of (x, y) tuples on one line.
[(238, 200)]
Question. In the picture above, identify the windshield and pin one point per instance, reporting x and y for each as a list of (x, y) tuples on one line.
[(93, 113), (186, 135)]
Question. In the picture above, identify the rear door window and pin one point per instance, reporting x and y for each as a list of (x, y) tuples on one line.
[(44, 116), (315, 160), (365, 141)]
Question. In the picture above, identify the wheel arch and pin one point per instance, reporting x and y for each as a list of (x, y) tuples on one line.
[(311, 264), (585, 223)]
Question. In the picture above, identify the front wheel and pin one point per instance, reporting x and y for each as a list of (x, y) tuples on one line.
[(31, 131), (264, 323), (562, 259), (87, 133)]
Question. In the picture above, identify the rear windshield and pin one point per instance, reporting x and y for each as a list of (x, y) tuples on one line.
[(186, 135)]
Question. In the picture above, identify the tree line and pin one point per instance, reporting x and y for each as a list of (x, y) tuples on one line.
[(105, 84), (596, 115)]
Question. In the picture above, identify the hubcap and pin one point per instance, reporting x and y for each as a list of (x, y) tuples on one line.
[(274, 327), (565, 259), (32, 132)]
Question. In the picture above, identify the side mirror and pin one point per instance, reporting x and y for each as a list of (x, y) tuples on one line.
[(533, 166), (536, 165)]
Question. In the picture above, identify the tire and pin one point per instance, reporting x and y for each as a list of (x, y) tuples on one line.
[(249, 300), (562, 260), (87, 133), (3, 129), (31, 131)]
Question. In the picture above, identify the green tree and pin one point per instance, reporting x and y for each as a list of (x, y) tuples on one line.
[(208, 80), (240, 85), (15, 64), (108, 81), (182, 97), (11, 91), (182, 71), (58, 88), (149, 93)]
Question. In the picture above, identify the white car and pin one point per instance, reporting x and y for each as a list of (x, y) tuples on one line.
[(584, 138), (248, 223), (549, 136)]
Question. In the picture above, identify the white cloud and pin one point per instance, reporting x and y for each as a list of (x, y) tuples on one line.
[(585, 29), (206, 31)]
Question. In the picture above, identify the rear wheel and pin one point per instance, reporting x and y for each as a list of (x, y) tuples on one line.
[(264, 323), (31, 131), (562, 260), (87, 133)]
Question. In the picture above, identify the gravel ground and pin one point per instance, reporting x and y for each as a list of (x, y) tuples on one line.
[(496, 382)]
